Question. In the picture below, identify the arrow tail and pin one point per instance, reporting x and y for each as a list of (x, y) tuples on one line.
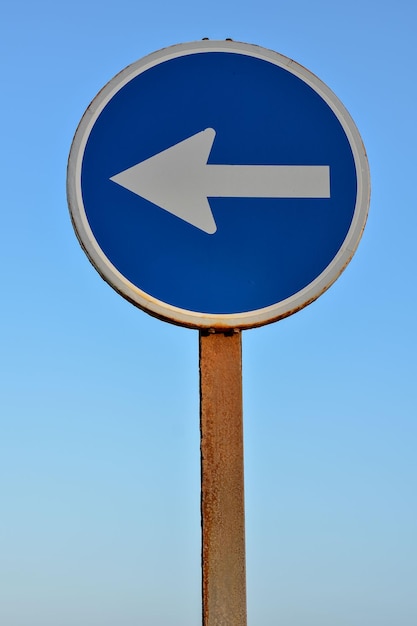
[(267, 181)]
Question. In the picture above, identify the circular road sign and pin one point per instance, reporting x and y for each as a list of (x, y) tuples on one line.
[(218, 185)]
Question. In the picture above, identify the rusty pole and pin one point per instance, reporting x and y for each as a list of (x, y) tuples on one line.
[(222, 492)]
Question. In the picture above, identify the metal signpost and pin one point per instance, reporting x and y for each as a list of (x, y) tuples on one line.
[(219, 186)]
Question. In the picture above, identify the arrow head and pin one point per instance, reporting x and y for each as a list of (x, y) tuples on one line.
[(174, 180)]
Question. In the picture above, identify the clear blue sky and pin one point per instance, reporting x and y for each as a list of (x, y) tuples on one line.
[(99, 440)]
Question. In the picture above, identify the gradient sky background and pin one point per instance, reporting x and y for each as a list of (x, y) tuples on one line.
[(99, 439)]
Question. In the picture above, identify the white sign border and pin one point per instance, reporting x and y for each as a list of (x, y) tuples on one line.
[(184, 317)]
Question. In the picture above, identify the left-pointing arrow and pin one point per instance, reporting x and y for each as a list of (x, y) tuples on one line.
[(180, 181)]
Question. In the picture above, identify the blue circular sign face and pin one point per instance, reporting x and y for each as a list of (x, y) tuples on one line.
[(217, 184)]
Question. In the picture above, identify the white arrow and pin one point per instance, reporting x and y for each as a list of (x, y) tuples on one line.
[(180, 181)]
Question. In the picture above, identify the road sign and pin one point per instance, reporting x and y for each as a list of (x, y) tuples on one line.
[(218, 185)]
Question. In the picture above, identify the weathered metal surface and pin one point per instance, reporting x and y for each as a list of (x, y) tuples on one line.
[(222, 480)]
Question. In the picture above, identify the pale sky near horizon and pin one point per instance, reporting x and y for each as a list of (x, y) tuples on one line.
[(99, 440)]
